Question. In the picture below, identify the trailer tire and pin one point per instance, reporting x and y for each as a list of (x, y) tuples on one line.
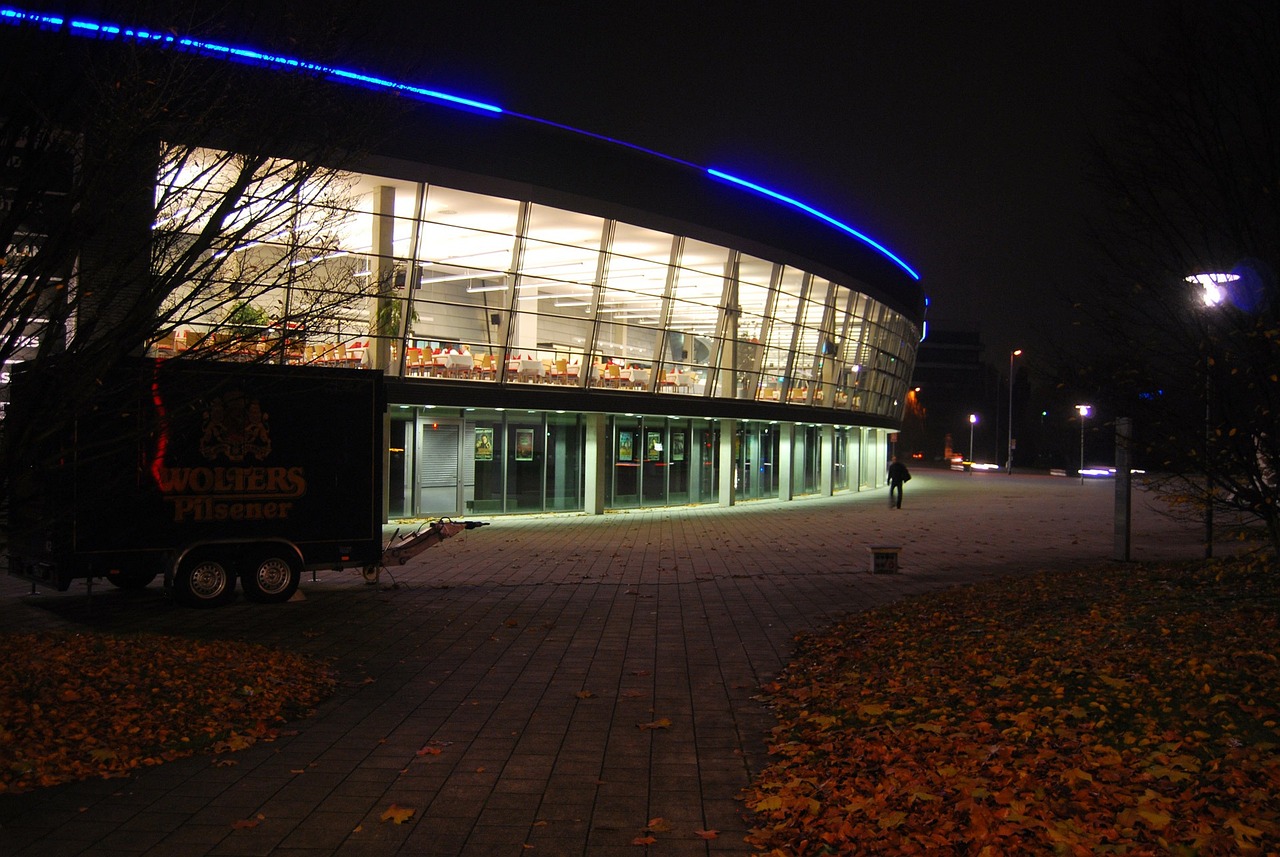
[(204, 582), (272, 579)]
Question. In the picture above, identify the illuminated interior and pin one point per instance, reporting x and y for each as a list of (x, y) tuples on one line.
[(479, 288)]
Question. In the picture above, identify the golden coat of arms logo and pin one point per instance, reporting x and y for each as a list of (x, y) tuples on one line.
[(235, 427)]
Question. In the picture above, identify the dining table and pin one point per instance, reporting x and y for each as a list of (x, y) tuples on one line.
[(637, 377)]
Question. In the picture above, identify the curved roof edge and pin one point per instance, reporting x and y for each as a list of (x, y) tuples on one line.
[(603, 169)]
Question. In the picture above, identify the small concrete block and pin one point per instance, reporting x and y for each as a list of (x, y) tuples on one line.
[(884, 558)]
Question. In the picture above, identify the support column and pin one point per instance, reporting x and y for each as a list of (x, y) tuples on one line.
[(786, 460), (386, 465), (1124, 488), (384, 271), (596, 474), (827, 456), (728, 461)]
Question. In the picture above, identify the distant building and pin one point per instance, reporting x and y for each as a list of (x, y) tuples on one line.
[(955, 382)]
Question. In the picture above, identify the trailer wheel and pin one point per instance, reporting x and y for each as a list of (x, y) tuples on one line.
[(272, 579), (204, 582)]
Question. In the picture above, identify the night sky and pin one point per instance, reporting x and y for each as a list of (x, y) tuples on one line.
[(957, 134), (954, 133)]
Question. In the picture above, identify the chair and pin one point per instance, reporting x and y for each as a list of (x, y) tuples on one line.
[(560, 371), (668, 382), (413, 361), (613, 375), (165, 345)]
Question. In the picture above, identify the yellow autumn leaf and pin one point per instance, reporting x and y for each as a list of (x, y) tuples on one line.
[(1243, 831), (892, 819), (1156, 819), (398, 814)]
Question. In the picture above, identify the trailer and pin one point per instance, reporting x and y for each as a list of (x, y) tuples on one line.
[(205, 473)]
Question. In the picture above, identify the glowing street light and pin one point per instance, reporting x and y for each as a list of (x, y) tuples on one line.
[(1212, 285), (1009, 458), (1084, 412), (1212, 296), (973, 418)]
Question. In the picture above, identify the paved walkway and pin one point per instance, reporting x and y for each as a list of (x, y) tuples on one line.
[(530, 652)]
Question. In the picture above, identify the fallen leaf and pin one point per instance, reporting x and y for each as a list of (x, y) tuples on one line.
[(661, 723), (643, 840), (658, 825), (706, 834), (585, 694), (398, 814)]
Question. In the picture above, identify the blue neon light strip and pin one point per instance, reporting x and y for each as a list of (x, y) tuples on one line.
[(808, 209), (79, 27), (245, 55)]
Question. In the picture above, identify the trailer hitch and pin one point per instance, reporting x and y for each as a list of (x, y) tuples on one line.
[(401, 549)]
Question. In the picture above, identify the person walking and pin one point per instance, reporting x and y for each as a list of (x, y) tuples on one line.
[(898, 476)]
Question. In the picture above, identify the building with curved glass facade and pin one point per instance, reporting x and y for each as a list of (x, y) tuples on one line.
[(566, 323)]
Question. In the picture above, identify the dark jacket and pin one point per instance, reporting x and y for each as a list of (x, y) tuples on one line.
[(898, 472)]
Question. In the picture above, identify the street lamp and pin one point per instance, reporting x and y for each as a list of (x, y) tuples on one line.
[(1084, 412), (973, 418), (1212, 296), (1009, 460)]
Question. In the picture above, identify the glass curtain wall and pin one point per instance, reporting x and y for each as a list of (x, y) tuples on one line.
[(657, 461), (757, 447), (427, 282), (527, 461)]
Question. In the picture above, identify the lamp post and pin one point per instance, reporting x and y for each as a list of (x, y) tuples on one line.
[(1213, 296), (1084, 412), (973, 418), (1008, 463)]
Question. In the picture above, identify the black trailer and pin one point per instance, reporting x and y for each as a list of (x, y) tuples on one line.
[(202, 472)]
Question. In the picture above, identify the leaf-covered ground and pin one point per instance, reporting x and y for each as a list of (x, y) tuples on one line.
[(1131, 710), (85, 705)]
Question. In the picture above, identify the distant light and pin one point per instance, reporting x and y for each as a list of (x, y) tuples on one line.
[(973, 418)]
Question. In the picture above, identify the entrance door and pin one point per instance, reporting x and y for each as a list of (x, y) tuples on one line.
[(439, 469)]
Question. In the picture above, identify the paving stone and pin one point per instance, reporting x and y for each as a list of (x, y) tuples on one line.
[(484, 644)]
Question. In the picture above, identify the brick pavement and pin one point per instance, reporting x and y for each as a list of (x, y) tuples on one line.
[(530, 653)]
